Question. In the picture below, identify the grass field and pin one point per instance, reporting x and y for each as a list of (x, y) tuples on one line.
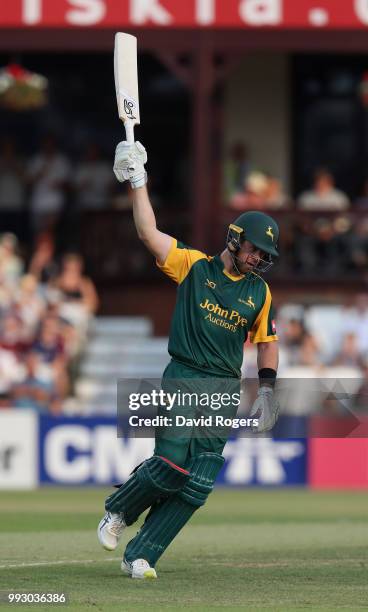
[(265, 550)]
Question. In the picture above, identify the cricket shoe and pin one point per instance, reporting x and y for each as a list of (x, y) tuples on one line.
[(140, 568), (109, 530)]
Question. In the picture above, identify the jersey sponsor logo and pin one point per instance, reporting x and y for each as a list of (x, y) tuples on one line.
[(230, 319), (273, 326), (210, 284), (269, 232), (221, 322)]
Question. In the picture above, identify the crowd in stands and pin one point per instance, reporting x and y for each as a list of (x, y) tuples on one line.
[(327, 246), (310, 339), (45, 311), (247, 187), (317, 343), (328, 342), (35, 191), (45, 183), (323, 336), (315, 245)]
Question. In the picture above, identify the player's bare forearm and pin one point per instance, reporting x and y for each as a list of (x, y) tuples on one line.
[(156, 242), (268, 355), (129, 166), (144, 217)]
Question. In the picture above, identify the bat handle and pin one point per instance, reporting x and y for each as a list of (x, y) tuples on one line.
[(129, 131)]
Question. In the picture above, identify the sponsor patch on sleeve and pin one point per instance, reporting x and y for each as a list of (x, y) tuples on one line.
[(273, 325)]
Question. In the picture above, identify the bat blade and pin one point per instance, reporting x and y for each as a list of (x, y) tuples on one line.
[(126, 80)]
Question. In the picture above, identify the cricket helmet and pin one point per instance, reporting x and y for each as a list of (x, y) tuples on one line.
[(259, 229)]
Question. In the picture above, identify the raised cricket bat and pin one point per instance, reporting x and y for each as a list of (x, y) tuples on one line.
[(126, 81)]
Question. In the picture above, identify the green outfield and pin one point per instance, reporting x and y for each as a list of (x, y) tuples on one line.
[(267, 550)]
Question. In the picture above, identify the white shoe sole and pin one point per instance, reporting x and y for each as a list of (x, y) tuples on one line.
[(148, 574)]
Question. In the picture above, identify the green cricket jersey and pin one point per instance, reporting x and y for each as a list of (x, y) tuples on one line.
[(215, 311)]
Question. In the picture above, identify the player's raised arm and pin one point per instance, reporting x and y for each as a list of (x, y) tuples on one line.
[(129, 165)]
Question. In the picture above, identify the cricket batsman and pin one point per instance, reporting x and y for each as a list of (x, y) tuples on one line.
[(220, 300)]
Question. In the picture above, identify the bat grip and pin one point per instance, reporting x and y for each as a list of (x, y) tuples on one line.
[(129, 131)]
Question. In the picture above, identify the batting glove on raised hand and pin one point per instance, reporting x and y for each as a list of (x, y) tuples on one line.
[(265, 408), (129, 163)]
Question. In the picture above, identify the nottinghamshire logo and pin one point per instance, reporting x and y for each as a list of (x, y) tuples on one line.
[(229, 319), (249, 302)]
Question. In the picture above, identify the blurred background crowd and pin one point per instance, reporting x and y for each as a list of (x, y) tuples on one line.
[(45, 311)]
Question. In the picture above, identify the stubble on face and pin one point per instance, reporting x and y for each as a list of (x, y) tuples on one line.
[(248, 257)]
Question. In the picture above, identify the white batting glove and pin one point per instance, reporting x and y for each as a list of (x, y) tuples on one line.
[(265, 408), (129, 163)]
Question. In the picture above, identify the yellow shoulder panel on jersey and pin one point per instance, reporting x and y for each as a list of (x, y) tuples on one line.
[(179, 261), (259, 331)]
